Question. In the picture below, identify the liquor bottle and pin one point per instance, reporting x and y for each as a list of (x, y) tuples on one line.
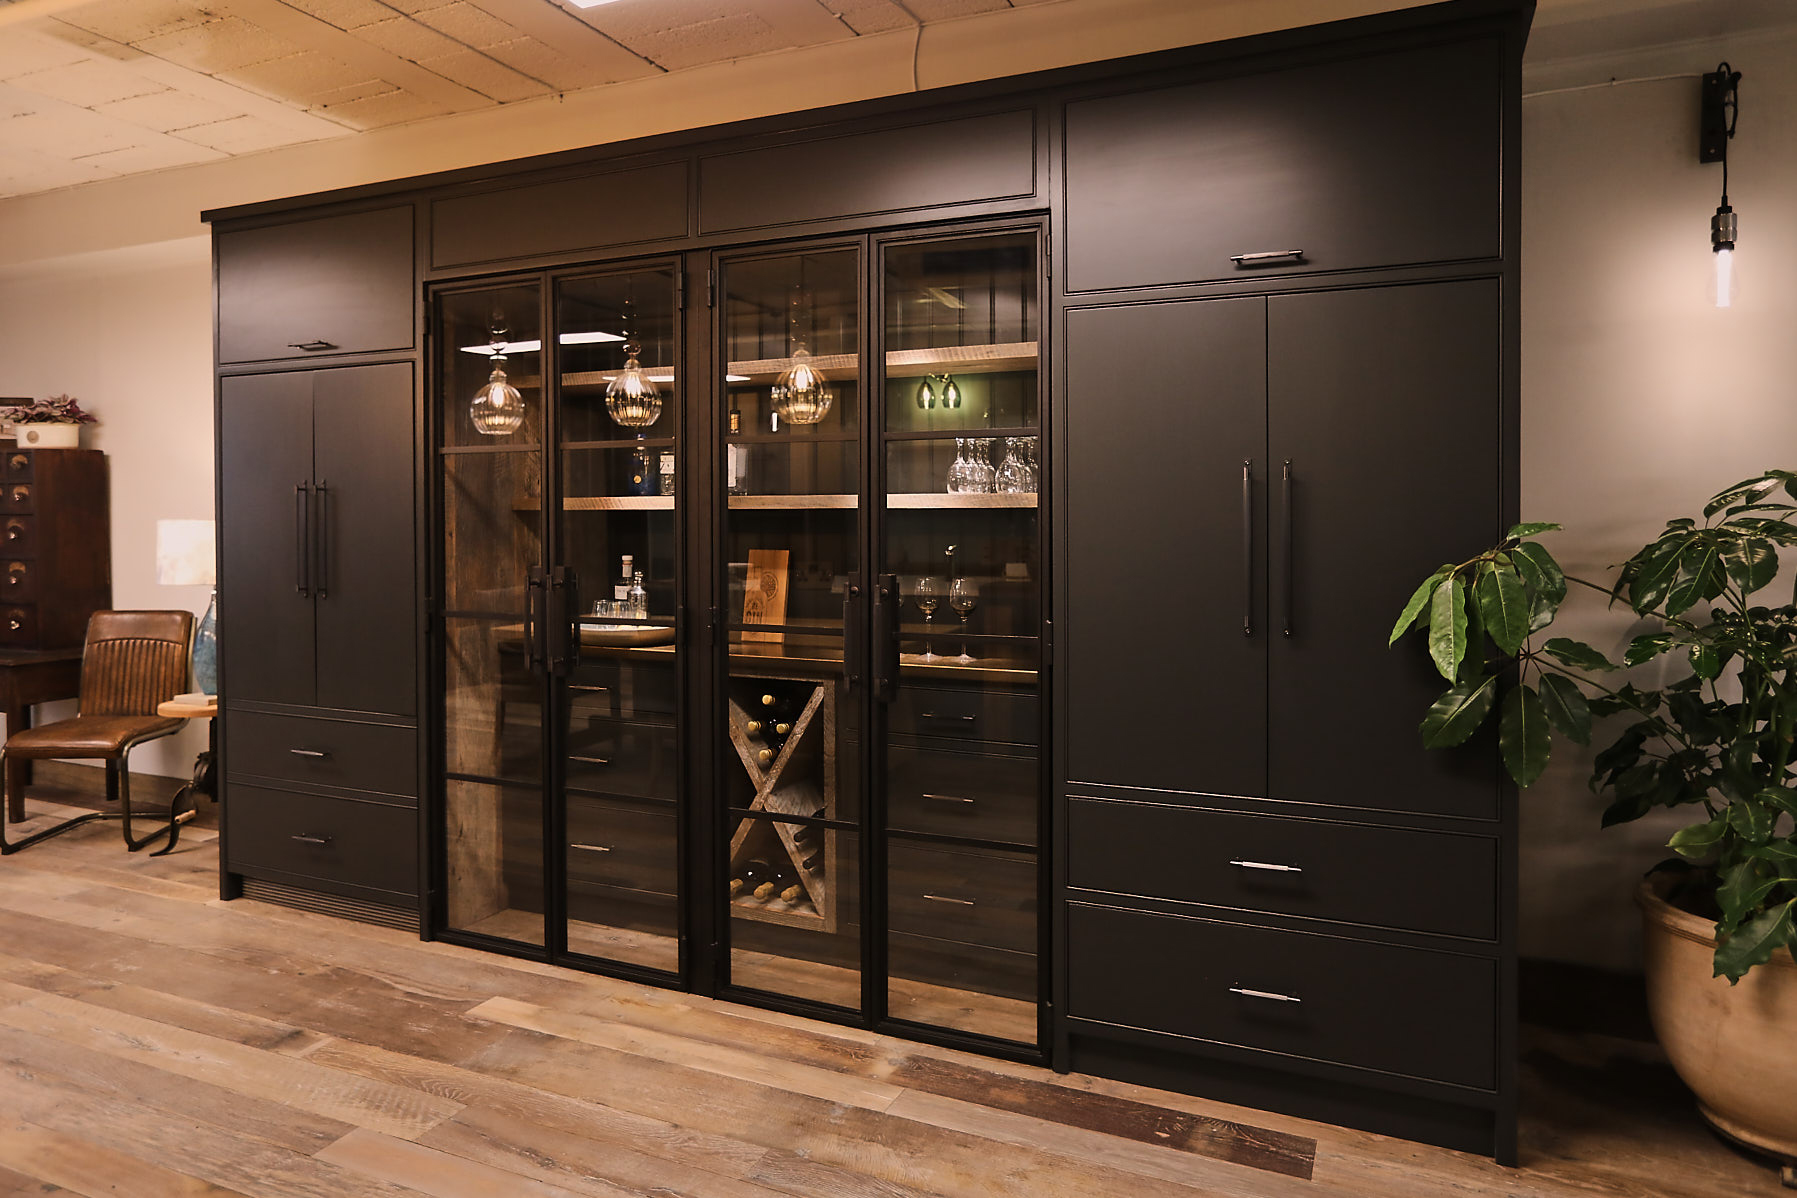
[(638, 598), (621, 589), (736, 456)]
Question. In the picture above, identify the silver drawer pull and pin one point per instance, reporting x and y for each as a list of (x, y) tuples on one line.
[(949, 798), (308, 752), (308, 838), (590, 760), (1265, 256), (1270, 867), (1266, 994), (592, 848), (943, 898), (930, 715), (596, 690)]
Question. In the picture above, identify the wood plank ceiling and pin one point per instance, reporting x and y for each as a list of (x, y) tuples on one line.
[(96, 89)]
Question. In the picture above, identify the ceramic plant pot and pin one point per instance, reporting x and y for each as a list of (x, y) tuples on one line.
[(48, 436)]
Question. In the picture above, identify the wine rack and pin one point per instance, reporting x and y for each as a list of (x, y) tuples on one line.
[(798, 779)]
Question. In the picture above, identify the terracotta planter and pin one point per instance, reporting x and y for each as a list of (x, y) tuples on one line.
[(1735, 1046), (48, 436)]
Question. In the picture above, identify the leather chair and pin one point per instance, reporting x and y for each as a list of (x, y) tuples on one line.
[(132, 662)]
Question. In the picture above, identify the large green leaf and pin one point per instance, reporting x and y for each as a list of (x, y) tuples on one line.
[(1779, 852), (1706, 663), (1744, 887), (1540, 570), (1754, 942), (1752, 820), (1699, 840), (1781, 531), (1752, 563), (1644, 649), (1519, 531), (1459, 712), (1566, 707), (1505, 605), (1703, 576), (1778, 797), (1655, 570), (1577, 654), (1522, 735), (1418, 601), (1447, 628), (1749, 489)]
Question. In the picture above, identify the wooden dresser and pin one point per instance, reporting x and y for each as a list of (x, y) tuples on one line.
[(55, 546)]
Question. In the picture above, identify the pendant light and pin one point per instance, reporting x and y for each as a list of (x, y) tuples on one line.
[(497, 408), (632, 398), (926, 394), (801, 395), (1721, 107)]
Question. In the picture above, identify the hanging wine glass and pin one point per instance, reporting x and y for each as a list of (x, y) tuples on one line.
[(926, 592), (497, 408), (982, 475), (963, 597), (957, 473), (1013, 475)]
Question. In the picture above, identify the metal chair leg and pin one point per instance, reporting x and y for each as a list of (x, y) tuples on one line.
[(15, 796), (121, 789)]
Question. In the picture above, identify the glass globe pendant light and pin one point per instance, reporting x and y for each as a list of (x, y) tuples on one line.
[(951, 392), (631, 398), (497, 408), (801, 395)]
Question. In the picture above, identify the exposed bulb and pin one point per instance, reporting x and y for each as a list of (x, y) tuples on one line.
[(1724, 227), (951, 392), (497, 408), (926, 394), (1726, 287), (631, 398), (802, 394)]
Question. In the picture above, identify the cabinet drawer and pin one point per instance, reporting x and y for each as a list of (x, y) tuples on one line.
[(18, 466), (18, 497), (335, 284), (18, 625), (964, 895), (1391, 877), (338, 840), (1380, 160), (18, 581), (622, 757), (18, 535), (375, 757), (982, 796), (630, 691), (1374, 1006), (623, 846), (1010, 717)]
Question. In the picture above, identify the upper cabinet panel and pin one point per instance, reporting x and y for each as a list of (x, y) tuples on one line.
[(335, 285), (863, 174), (1385, 160), (588, 213)]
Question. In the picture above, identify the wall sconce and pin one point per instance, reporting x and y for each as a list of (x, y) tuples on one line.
[(1721, 108)]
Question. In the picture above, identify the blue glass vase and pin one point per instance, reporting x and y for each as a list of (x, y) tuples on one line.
[(205, 651)]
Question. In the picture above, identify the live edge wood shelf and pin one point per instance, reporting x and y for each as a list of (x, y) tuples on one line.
[(928, 500)]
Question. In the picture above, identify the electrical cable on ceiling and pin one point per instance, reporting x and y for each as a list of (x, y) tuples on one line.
[(917, 45)]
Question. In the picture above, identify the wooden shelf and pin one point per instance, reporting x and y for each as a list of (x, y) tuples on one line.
[(608, 503), (936, 500), (903, 363), (793, 503)]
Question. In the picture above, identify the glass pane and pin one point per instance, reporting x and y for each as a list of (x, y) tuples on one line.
[(791, 375), (623, 866), (481, 333), (495, 865), (795, 916)]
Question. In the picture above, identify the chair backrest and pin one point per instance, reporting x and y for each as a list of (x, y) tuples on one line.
[(134, 660)]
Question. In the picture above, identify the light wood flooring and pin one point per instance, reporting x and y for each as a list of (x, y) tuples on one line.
[(156, 1041)]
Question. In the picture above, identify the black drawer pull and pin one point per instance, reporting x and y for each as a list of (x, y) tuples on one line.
[(1265, 256), (592, 848), (949, 798), (590, 760), (1266, 994), (312, 347), (1269, 867), (317, 753), (308, 838), (943, 898)]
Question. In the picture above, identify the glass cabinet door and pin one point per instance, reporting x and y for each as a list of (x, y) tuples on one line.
[(490, 418), (961, 543), (791, 469), (620, 405)]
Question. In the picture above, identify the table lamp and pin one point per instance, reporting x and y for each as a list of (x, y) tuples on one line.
[(186, 556)]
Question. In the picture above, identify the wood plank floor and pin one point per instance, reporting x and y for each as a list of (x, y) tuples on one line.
[(156, 1041)]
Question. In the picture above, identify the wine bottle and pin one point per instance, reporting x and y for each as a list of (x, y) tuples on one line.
[(752, 727), (777, 878), (764, 757)]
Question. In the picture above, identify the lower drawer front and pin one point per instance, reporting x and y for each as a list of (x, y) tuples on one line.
[(18, 581), (1390, 877), (18, 534), (339, 840), (615, 844), (967, 895), (623, 757), (980, 796), (376, 757), (1376, 1006)]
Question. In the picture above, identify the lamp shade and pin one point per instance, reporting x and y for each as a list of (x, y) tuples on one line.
[(186, 555)]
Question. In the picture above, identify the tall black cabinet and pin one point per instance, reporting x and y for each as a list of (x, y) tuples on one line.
[(1025, 688)]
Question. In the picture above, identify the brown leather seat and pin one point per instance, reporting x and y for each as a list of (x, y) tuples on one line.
[(133, 661)]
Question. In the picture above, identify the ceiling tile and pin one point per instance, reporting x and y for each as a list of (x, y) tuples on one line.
[(166, 110), (471, 68), (713, 37), (560, 71), (22, 172), (66, 132), (359, 91), (947, 10), (162, 153), (394, 107), (468, 24), (407, 38), (131, 21), (239, 135), (870, 16), (344, 14), (88, 84), (298, 78), (23, 51), (223, 44)]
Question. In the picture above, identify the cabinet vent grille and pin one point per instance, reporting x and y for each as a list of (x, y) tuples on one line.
[(329, 904)]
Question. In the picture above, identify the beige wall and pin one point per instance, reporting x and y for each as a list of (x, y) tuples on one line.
[(1640, 398)]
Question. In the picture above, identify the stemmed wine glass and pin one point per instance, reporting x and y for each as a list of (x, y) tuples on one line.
[(926, 592), (963, 597)]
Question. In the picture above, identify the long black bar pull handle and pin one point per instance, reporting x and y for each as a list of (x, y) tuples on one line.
[(854, 639), (1248, 548), (1291, 518), (533, 620), (886, 646), (302, 538), (320, 550)]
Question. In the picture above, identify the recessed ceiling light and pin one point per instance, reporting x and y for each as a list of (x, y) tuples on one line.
[(532, 346), (589, 3)]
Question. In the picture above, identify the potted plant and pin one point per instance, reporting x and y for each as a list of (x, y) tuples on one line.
[(1721, 978), (53, 423)]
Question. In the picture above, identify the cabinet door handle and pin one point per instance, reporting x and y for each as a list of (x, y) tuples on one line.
[(1268, 995), (320, 551), (1291, 518), (593, 690), (1266, 257), (1269, 867), (592, 848), (563, 629), (313, 346), (589, 760), (533, 619), (308, 838), (318, 753), (949, 799), (302, 538), (943, 898), (854, 638), (886, 649), (1248, 548), (944, 719)]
